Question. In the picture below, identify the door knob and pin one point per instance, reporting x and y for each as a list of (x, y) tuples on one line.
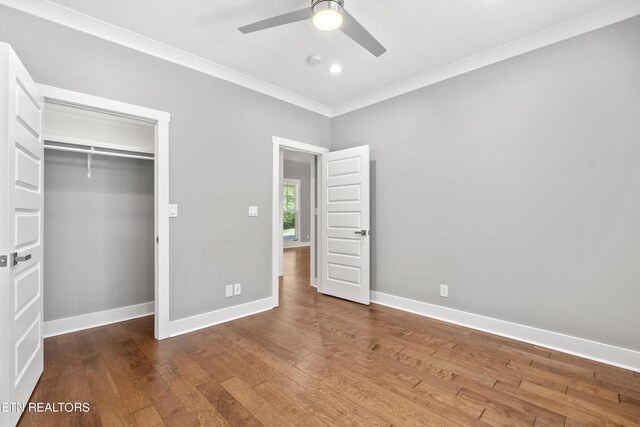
[(17, 259), (362, 232)]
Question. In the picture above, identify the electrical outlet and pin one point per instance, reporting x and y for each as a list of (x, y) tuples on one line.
[(228, 291), (444, 291), (237, 289), (253, 211)]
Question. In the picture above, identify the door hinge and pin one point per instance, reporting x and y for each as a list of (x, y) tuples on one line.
[(157, 239), (3, 260)]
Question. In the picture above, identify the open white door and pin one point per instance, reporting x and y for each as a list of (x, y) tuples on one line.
[(21, 203), (345, 232)]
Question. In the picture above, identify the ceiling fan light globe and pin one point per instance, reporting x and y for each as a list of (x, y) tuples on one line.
[(327, 15)]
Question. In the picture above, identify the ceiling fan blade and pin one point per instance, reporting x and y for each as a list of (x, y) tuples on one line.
[(357, 32), (276, 21)]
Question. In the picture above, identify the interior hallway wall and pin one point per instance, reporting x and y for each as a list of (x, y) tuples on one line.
[(98, 237), (518, 185)]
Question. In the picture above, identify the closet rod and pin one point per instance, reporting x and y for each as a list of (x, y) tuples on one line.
[(97, 152)]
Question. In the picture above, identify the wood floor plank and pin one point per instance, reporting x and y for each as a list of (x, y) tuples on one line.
[(105, 391), (506, 413), (321, 361), (227, 405), (254, 403), (288, 406), (531, 394), (509, 400), (588, 406), (197, 404), (148, 417)]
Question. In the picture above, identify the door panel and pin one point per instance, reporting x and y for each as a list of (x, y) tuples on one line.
[(345, 214), (27, 288), (21, 361), (27, 108)]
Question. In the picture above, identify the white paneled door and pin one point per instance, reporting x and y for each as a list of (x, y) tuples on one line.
[(345, 236), (21, 203)]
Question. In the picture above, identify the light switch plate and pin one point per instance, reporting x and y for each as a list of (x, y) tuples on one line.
[(444, 291), (253, 211), (173, 211)]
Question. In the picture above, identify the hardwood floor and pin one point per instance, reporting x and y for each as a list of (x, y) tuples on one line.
[(318, 360)]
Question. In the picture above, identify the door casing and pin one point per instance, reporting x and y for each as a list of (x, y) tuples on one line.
[(161, 120)]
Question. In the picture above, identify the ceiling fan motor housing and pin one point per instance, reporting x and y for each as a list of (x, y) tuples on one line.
[(320, 5)]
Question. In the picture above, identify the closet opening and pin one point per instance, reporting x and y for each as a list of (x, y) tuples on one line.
[(105, 213)]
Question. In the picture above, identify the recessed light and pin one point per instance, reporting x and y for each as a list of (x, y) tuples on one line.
[(335, 69), (315, 60)]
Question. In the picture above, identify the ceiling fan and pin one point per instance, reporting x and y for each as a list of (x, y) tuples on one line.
[(326, 15)]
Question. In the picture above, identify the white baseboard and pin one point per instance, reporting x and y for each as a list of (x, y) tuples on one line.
[(201, 321), (93, 320), (287, 245), (605, 353)]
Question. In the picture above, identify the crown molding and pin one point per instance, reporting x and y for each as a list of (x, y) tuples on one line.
[(95, 27), (610, 15), (44, 9)]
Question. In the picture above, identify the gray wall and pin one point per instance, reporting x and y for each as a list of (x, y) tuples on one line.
[(518, 185), (213, 123), (98, 238), (302, 172)]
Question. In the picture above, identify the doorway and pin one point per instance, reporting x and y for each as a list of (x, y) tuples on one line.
[(298, 216), (340, 257), (302, 159), (87, 114)]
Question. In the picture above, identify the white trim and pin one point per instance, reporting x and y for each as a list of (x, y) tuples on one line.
[(161, 176), (610, 15), (294, 244), (67, 325), (605, 353), (87, 24), (83, 100), (312, 222), (162, 280), (276, 220), (290, 144), (205, 320)]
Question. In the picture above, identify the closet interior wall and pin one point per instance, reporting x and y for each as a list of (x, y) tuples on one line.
[(98, 230)]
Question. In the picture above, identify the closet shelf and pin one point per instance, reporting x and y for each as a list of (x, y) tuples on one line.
[(52, 145)]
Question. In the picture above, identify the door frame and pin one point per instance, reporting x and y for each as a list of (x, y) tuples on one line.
[(161, 120), (277, 243)]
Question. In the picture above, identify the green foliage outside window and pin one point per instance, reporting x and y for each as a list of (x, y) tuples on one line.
[(289, 213)]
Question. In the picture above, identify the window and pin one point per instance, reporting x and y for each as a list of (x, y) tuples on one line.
[(290, 211)]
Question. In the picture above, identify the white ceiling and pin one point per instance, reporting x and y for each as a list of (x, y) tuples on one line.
[(421, 36)]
